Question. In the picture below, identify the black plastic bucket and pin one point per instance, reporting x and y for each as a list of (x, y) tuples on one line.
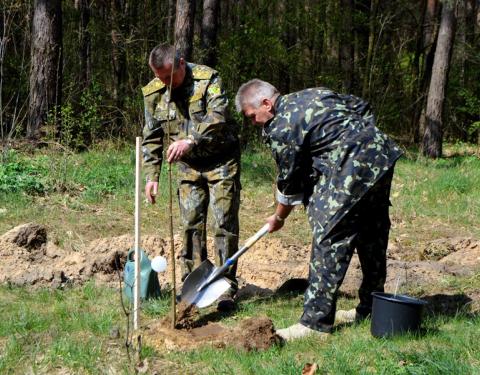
[(394, 314)]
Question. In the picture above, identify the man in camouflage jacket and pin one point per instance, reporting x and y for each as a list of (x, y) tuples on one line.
[(332, 159), (204, 142)]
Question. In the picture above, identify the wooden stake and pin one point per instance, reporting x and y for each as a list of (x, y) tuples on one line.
[(170, 206), (136, 290)]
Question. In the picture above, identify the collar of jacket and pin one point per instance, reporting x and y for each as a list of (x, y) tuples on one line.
[(276, 106)]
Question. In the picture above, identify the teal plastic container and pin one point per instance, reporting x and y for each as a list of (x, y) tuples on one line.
[(149, 285)]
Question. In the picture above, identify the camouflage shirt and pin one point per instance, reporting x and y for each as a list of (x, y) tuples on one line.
[(327, 141), (197, 110)]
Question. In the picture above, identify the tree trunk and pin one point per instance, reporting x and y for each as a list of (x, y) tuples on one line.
[(171, 17), (433, 136), (119, 11), (46, 64), (471, 45), (346, 48), (422, 64), (185, 17), (208, 40), (84, 51), (371, 41)]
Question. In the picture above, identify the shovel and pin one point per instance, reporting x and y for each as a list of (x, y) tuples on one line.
[(204, 285)]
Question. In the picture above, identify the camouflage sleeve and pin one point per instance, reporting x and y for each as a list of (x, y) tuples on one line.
[(152, 147), (289, 157), (215, 118)]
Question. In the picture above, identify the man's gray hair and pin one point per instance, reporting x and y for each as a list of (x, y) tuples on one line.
[(253, 92), (164, 54)]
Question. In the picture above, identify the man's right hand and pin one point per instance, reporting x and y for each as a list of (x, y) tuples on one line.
[(151, 191)]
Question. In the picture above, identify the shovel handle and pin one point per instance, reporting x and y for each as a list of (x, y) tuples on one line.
[(220, 270), (248, 244)]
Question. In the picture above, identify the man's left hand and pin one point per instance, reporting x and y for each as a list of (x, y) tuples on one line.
[(178, 149)]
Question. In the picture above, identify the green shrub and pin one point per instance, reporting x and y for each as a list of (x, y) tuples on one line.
[(19, 176)]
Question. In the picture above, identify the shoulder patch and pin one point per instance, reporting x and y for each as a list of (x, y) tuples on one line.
[(153, 86), (202, 72)]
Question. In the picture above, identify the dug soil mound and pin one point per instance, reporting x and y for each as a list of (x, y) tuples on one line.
[(250, 334), (28, 258)]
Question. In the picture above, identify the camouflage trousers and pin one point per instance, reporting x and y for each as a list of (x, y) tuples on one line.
[(218, 189), (364, 228)]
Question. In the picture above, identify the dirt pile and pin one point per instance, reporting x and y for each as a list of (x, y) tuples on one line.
[(270, 265), (28, 258), (250, 334)]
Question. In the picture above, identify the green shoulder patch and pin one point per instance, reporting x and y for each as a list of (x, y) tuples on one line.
[(153, 86), (202, 72)]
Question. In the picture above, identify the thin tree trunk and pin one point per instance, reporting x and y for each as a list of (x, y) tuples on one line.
[(346, 48), (46, 64), (84, 43), (119, 10), (170, 19), (208, 38), (471, 45), (371, 42), (429, 42), (184, 20), (433, 136)]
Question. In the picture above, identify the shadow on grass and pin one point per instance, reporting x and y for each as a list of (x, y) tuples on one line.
[(448, 305)]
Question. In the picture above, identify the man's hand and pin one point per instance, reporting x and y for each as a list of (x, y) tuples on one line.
[(275, 223), (151, 190), (177, 149)]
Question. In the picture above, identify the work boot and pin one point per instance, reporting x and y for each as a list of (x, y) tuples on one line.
[(226, 303), (298, 331), (347, 316)]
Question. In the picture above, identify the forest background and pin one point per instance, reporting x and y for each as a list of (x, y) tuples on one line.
[(71, 71)]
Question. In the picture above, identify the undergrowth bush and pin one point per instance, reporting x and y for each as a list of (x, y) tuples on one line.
[(18, 176)]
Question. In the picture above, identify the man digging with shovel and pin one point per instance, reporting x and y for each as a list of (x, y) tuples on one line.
[(333, 159), (204, 142)]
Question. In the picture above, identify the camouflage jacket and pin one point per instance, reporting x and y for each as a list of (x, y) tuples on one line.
[(196, 110), (327, 141)]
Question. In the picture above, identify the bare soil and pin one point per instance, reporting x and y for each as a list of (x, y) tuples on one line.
[(28, 258), (250, 334)]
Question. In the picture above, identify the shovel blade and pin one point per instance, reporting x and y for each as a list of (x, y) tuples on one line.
[(212, 292), (194, 280)]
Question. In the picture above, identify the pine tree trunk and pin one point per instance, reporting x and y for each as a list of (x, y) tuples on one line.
[(433, 136), (346, 49), (209, 31), (119, 11), (46, 64), (84, 51), (171, 17), (184, 20), (371, 41)]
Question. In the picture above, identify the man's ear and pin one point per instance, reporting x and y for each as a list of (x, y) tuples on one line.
[(267, 103)]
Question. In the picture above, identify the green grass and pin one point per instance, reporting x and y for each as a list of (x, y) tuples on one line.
[(90, 195), (42, 331)]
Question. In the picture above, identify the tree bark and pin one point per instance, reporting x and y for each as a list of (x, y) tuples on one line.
[(171, 17), (84, 51), (433, 136), (119, 11), (46, 64), (371, 40), (422, 64), (208, 40), (184, 20), (346, 48)]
